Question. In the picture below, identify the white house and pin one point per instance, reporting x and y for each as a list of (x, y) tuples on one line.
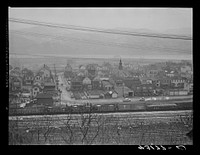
[(86, 81), (114, 94)]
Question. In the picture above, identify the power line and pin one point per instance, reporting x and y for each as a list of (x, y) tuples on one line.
[(97, 42), (73, 27)]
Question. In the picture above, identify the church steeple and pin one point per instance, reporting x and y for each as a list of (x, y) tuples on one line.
[(120, 65)]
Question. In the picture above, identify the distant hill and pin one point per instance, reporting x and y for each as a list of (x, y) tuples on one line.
[(90, 44), (180, 31)]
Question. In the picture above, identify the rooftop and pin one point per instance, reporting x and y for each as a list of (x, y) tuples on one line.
[(44, 95)]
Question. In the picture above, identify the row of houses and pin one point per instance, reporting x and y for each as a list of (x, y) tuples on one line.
[(27, 81), (137, 86)]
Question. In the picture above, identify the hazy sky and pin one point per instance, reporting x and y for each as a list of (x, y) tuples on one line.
[(156, 19)]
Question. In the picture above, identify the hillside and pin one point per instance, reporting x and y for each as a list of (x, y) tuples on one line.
[(90, 44)]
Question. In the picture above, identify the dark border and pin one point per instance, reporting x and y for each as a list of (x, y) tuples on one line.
[(98, 149)]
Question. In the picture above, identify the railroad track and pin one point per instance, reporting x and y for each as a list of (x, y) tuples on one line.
[(110, 119)]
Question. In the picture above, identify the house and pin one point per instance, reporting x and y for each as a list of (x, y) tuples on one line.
[(41, 84), (177, 82), (38, 77), (91, 69), (144, 90), (14, 73), (28, 80), (146, 80), (188, 86), (131, 82), (68, 72), (111, 80), (87, 83), (176, 92), (100, 74), (108, 94), (165, 82), (45, 99), (170, 72), (106, 85), (96, 83), (186, 69), (186, 75), (76, 84), (119, 83), (49, 87), (48, 80), (24, 71), (152, 73), (17, 69), (114, 94), (123, 91), (68, 68), (46, 72), (15, 83), (82, 68)]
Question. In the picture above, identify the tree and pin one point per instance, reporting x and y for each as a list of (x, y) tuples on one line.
[(89, 126)]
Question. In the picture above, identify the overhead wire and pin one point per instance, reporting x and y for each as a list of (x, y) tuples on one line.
[(89, 29)]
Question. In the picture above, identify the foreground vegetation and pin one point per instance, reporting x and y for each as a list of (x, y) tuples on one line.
[(101, 130)]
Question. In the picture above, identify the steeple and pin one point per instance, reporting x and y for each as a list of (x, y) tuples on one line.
[(120, 65)]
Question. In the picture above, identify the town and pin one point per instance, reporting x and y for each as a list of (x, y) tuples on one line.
[(100, 76), (99, 83)]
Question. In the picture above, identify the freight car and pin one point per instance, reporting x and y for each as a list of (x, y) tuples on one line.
[(131, 107), (158, 107), (183, 105), (104, 108)]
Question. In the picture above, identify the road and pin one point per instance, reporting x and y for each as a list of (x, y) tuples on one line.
[(66, 99)]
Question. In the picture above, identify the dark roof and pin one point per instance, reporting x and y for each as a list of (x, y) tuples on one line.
[(77, 79), (44, 95), (49, 84), (95, 92)]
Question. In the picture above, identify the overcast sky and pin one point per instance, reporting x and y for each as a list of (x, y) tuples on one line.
[(156, 19)]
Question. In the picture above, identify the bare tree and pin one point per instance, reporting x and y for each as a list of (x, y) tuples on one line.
[(47, 128), (67, 130), (89, 126), (187, 120)]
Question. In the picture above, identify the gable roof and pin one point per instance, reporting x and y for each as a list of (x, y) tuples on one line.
[(97, 78), (106, 83)]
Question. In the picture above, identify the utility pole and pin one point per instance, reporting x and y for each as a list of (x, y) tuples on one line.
[(55, 77), (123, 90)]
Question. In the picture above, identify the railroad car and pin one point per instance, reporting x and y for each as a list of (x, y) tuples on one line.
[(158, 106), (124, 107), (138, 107), (184, 105), (132, 107), (108, 108), (97, 107)]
